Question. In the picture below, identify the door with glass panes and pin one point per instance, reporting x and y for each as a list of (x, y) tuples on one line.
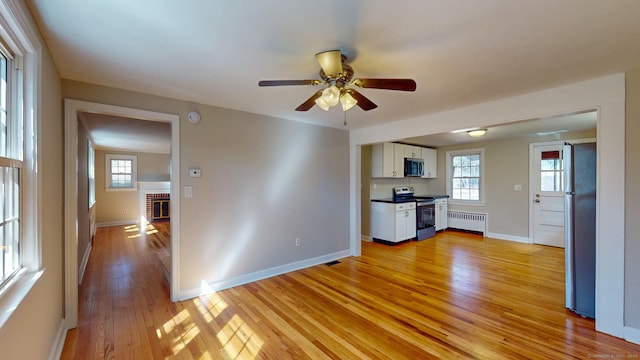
[(547, 196)]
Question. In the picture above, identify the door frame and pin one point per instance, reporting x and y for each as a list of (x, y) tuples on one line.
[(532, 179), (71, 275)]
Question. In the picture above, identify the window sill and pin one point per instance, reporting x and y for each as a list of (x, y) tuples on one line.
[(13, 293)]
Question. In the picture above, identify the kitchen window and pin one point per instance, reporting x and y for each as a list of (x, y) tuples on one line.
[(465, 176), (121, 172)]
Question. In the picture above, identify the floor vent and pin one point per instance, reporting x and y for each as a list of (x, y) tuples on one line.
[(466, 220), (331, 263)]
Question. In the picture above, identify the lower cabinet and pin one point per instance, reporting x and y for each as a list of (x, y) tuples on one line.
[(442, 206), (393, 222)]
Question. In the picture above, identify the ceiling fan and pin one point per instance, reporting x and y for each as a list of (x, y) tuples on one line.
[(338, 78)]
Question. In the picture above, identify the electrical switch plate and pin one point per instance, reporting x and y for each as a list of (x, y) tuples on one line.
[(188, 191), (517, 187)]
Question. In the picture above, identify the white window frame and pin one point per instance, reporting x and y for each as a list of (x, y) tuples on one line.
[(21, 39), (107, 171), (450, 155)]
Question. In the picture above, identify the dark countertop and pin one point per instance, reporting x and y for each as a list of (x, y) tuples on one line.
[(392, 201), (431, 196)]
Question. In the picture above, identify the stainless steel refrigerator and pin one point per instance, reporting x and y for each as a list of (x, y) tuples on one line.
[(580, 227)]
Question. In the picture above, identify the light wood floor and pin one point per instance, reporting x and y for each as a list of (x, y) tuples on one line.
[(453, 296)]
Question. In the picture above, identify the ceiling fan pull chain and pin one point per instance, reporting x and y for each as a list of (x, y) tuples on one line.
[(345, 118)]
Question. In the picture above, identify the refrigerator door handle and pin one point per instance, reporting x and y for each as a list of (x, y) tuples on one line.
[(570, 293)]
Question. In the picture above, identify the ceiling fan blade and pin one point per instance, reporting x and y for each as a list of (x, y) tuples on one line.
[(330, 62), (288, 82), (308, 104), (387, 84), (364, 103)]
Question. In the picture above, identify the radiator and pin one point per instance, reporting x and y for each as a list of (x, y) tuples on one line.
[(466, 220)]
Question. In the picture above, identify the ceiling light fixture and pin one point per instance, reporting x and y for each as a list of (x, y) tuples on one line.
[(333, 95), (477, 132)]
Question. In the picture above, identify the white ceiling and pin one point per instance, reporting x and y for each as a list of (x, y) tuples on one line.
[(459, 52)]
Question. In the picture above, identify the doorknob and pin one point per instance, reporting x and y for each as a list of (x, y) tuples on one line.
[(537, 200)]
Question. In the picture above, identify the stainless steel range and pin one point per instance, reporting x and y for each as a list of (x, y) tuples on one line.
[(425, 211)]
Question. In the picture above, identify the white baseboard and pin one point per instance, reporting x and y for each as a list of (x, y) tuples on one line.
[(58, 343), (366, 238), (519, 239), (258, 275), (117, 223), (83, 263), (632, 335)]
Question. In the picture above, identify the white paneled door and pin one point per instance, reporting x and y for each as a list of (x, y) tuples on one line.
[(547, 204)]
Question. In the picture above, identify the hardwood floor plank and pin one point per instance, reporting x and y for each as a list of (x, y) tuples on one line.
[(456, 295)]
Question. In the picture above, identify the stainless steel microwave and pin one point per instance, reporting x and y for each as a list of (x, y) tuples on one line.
[(413, 167)]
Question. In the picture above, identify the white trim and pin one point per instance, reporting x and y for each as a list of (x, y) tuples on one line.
[(72, 107), (632, 335), (207, 288), (83, 264), (520, 239), (58, 342), (18, 31), (449, 167), (607, 94), (108, 184)]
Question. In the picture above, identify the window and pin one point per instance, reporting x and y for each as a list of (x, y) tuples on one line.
[(11, 156), (91, 170), (550, 171), (20, 242), (121, 172), (465, 175)]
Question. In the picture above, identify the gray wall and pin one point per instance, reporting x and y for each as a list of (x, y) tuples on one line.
[(265, 181), (632, 201)]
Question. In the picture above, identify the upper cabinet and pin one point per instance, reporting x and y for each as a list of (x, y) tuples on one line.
[(387, 160), (412, 152), (430, 157)]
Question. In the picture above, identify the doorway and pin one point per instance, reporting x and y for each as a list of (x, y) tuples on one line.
[(547, 198), (71, 110)]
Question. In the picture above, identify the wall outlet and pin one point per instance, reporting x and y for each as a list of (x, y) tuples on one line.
[(125, 211), (517, 187), (297, 241)]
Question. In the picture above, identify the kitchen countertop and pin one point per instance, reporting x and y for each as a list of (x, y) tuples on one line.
[(420, 197), (431, 196), (392, 201)]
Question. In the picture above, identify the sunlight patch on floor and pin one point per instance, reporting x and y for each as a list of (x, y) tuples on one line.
[(238, 339)]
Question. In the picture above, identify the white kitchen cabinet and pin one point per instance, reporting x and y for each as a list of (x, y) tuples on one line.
[(393, 222), (387, 160), (430, 157), (442, 206), (412, 152)]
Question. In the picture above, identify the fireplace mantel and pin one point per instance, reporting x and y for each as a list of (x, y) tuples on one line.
[(154, 186)]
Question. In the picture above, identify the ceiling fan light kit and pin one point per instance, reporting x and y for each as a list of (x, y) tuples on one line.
[(338, 76)]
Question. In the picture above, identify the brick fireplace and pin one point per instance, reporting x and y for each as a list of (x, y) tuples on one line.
[(158, 206)]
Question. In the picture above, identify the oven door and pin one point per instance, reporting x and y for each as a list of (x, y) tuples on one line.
[(425, 215)]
